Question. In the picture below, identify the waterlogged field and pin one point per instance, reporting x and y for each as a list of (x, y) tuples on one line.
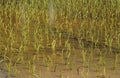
[(59, 38)]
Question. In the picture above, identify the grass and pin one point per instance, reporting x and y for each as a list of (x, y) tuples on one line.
[(34, 33)]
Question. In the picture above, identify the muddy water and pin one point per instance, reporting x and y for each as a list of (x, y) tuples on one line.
[(76, 68)]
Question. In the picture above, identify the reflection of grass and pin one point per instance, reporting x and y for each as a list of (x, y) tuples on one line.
[(34, 27), (115, 61)]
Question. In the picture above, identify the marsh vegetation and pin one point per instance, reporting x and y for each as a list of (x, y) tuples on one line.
[(60, 38)]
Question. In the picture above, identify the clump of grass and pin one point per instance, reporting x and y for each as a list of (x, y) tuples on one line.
[(53, 45)]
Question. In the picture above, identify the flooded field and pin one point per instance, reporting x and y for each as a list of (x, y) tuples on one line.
[(59, 39)]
